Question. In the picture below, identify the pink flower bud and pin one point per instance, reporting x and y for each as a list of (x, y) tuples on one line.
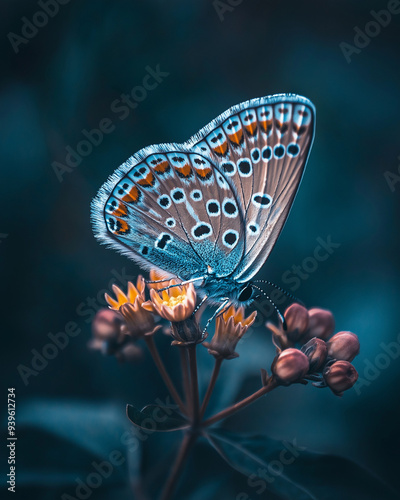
[(321, 324), (344, 346), (296, 317), (106, 324), (340, 376), (291, 366), (316, 351)]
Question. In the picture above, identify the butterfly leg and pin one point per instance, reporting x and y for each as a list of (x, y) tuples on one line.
[(183, 283), (199, 305), (220, 310)]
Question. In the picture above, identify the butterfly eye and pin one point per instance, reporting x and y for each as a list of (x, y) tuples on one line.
[(246, 293)]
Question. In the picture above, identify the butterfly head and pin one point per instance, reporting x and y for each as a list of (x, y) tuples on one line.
[(219, 289)]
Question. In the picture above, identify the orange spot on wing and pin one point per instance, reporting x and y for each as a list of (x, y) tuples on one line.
[(121, 211), (236, 137), (133, 196), (251, 128), (221, 150), (266, 125), (184, 171), (147, 181), (162, 167), (122, 227), (204, 173)]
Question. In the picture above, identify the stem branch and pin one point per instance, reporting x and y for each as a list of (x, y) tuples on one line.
[(272, 384), (211, 385), (163, 372)]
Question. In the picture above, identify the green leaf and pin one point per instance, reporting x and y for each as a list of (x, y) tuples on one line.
[(294, 473), (154, 418)]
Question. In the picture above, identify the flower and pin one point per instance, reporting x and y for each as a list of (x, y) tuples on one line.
[(321, 324), (344, 346), (229, 329), (340, 376), (109, 337), (301, 326), (175, 304), (139, 322), (290, 366), (316, 351)]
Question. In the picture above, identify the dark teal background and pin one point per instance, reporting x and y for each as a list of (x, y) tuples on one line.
[(66, 78)]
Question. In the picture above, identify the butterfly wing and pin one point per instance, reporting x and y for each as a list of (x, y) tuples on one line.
[(169, 208), (261, 146)]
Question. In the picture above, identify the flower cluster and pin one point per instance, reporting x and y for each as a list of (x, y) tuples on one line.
[(308, 350)]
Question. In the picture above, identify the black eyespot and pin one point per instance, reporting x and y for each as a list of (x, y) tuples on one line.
[(293, 149), (230, 238), (267, 153), (255, 154), (201, 230), (162, 243), (230, 208), (253, 228), (244, 167), (246, 293), (213, 207), (164, 201), (145, 250), (125, 186), (279, 151), (228, 167), (178, 195)]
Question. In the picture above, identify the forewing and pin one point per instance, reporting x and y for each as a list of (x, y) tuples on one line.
[(262, 147), (170, 208)]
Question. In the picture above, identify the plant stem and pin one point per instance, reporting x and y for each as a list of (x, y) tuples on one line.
[(186, 444), (163, 372), (211, 385), (194, 386), (272, 384), (186, 379)]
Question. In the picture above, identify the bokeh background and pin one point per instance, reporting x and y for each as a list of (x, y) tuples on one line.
[(64, 80)]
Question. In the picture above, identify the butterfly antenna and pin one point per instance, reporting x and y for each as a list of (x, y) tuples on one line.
[(281, 317), (288, 294)]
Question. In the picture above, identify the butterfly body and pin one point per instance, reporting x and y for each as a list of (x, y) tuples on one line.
[(211, 209)]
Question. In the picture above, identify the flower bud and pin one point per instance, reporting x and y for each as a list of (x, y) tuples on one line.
[(291, 366), (316, 351), (340, 376), (296, 317), (321, 324), (106, 325), (344, 346)]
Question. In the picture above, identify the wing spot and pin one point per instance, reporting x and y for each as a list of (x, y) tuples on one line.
[(178, 195), (201, 230), (164, 201), (266, 153), (245, 168), (261, 200), (229, 168), (255, 154), (196, 195), (163, 240), (253, 228), (230, 208), (171, 222), (279, 151), (293, 149), (230, 238), (213, 208)]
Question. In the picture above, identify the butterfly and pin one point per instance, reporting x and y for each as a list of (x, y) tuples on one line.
[(210, 210)]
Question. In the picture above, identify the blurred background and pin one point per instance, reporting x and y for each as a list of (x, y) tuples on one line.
[(61, 80)]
